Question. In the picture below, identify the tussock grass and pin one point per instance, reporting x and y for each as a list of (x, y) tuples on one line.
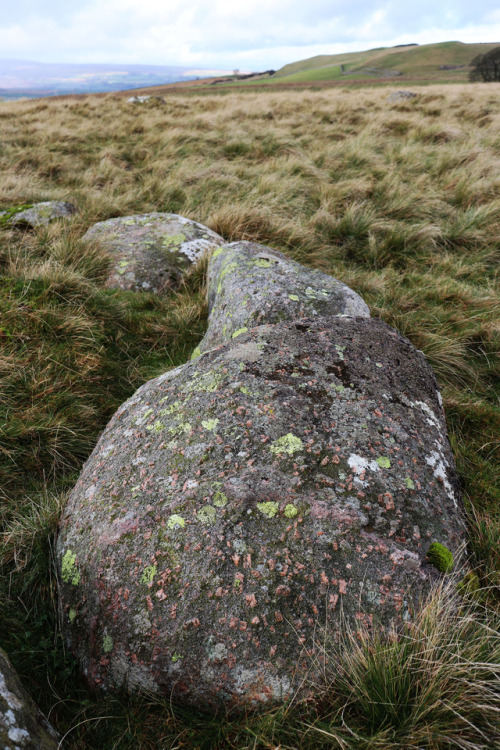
[(402, 202)]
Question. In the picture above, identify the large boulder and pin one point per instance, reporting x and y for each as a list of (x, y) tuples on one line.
[(37, 214), (21, 723), (250, 284), (152, 252), (292, 478)]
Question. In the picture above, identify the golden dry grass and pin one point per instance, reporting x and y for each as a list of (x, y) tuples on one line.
[(399, 200)]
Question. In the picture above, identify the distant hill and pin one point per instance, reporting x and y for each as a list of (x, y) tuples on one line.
[(445, 61), (28, 78)]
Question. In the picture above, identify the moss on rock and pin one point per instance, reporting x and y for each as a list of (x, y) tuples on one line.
[(441, 557)]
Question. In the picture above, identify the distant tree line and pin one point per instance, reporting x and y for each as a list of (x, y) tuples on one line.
[(487, 66)]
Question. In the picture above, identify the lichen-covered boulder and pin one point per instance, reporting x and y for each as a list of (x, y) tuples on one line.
[(22, 726), (250, 284), (152, 252), (233, 506), (37, 214)]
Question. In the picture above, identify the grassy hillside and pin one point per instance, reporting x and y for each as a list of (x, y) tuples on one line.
[(402, 202), (422, 63)]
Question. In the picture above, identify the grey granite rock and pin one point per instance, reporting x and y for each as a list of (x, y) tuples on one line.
[(153, 251), (22, 726), (397, 96), (38, 214), (292, 477), (249, 284)]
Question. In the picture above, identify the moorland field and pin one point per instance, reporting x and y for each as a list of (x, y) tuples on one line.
[(401, 201)]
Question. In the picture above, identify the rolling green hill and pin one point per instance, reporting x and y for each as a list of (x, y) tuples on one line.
[(412, 63)]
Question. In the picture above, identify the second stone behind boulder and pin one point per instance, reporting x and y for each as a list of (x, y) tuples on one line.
[(152, 252)]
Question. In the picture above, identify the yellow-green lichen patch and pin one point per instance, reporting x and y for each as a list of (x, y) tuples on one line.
[(207, 383), (175, 522), (174, 240), (210, 424), (107, 644), (220, 500), (440, 557), (72, 615), (383, 462), (196, 353), (409, 483), (263, 263), (287, 444), (148, 574), (218, 251), (122, 266), (269, 509), (207, 515), (294, 297), (225, 271), (69, 571), (290, 511), (239, 332), (156, 427), (316, 293)]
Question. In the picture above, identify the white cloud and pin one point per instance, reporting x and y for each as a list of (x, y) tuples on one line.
[(225, 33)]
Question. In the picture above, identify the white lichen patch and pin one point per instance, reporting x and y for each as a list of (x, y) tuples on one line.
[(435, 461), (195, 249), (359, 464)]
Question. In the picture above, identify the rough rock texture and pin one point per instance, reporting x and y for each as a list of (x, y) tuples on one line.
[(249, 284), (398, 96), (39, 214), (152, 251), (21, 723), (294, 476)]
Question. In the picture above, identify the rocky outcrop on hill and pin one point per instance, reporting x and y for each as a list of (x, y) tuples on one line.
[(152, 252), (290, 478), (21, 723), (37, 214)]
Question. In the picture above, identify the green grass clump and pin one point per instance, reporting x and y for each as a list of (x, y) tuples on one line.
[(399, 201)]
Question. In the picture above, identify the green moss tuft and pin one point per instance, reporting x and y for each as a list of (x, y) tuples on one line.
[(440, 557)]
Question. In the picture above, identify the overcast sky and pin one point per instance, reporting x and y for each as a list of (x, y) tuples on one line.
[(244, 34)]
